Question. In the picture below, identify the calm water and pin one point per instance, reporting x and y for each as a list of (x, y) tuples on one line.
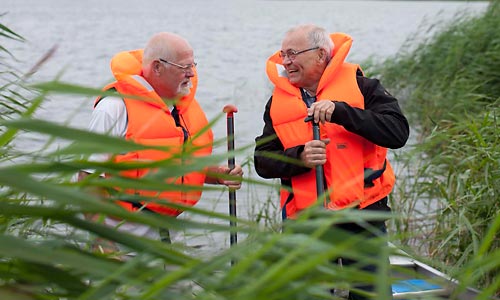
[(231, 39)]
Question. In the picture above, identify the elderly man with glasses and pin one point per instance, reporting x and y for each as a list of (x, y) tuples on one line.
[(358, 121), (164, 113)]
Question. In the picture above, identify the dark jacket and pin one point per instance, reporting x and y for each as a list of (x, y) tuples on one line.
[(381, 122)]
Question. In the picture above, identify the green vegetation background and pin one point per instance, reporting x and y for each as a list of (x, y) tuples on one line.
[(450, 87)]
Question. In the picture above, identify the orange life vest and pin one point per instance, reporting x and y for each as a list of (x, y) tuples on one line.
[(350, 157), (150, 123)]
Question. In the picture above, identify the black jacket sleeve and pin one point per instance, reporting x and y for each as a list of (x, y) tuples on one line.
[(381, 122)]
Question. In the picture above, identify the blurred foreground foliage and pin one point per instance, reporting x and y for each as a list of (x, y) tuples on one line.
[(45, 244)]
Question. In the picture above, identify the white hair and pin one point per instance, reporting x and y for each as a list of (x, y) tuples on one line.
[(161, 45), (317, 36)]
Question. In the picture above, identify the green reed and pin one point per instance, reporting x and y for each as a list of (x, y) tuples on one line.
[(449, 186), (45, 243)]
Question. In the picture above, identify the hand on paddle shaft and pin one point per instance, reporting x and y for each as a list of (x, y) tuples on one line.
[(321, 111), (314, 155), (232, 183)]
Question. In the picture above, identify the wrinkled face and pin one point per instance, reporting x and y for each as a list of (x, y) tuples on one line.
[(175, 73), (304, 69)]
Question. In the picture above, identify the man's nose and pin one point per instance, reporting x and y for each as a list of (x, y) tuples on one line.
[(286, 60), (189, 73)]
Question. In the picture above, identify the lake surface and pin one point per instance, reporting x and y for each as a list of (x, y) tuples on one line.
[(231, 41)]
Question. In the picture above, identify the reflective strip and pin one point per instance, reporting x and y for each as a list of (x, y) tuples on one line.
[(281, 71), (143, 82)]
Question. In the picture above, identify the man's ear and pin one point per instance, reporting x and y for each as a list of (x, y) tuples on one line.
[(322, 55), (156, 67)]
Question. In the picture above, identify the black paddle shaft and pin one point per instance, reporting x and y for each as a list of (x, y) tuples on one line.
[(230, 110), (320, 187)]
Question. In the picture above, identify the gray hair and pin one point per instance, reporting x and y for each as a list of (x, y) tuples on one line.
[(317, 36)]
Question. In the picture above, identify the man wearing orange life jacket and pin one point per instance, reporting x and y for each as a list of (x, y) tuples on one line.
[(358, 120), (164, 75)]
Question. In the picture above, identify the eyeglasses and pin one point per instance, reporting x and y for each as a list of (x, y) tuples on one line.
[(292, 54), (184, 68)]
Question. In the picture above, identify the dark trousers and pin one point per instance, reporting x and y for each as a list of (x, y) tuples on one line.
[(365, 230), (371, 230), (354, 228)]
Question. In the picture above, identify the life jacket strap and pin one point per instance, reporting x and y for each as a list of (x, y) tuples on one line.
[(134, 205), (370, 175)]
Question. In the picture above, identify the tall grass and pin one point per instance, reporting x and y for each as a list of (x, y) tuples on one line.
[(449, 194), (45, 243)]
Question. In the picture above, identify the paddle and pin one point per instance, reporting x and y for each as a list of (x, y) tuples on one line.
[(320, 188), (230, 110)]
